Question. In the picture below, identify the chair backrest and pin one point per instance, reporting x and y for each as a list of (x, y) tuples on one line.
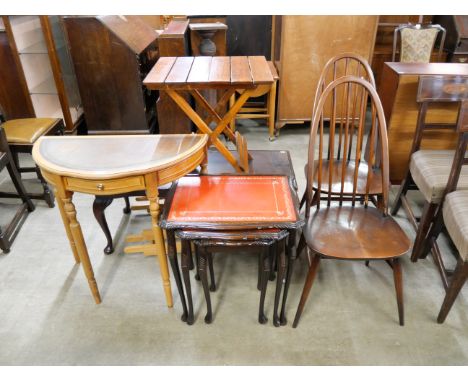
[(417, 42), (345, 64), (356, 121)]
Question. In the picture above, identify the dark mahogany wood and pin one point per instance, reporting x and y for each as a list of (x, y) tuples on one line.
[(346, 230), (8, 235)]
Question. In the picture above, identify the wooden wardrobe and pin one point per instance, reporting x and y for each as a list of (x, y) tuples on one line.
[(300, 48)]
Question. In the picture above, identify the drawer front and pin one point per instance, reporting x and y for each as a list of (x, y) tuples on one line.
[(106, 187)]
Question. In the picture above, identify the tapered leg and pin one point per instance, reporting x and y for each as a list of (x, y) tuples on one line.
[(427, 218), (262, 318), (212, 276), (189, 254), (260, 265), (401, 191), (152, 195), (186, 275), (78, 239), (398, 278), (307, 286), (172, 254), (281, 261), (204, 279), (459, 278), (99, 206)]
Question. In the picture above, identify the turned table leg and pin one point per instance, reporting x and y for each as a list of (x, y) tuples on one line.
[(78, 239), (66, 224), (152, 195)]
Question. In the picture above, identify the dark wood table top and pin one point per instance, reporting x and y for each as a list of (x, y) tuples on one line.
[(433, 68), (240, 72)]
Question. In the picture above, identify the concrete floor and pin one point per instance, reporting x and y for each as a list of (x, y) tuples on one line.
[(48, 316)]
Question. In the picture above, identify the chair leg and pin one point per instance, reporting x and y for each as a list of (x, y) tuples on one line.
[(401, 191), (398, 279), (48, 195), (459, 278), (16, 179), (427, 218), (99, 206), (204, 279), (185, 264), (307, 286), (262, 318)]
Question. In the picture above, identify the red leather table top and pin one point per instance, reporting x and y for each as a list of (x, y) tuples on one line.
[(233, 199)]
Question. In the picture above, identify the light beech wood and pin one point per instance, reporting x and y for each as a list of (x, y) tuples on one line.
[(180, 158)]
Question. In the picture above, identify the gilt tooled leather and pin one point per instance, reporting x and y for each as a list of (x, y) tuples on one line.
[(233, 199)]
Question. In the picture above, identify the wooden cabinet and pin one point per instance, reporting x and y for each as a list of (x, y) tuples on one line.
[(301, 47), (112, 55), (398, 90), (37, 74)]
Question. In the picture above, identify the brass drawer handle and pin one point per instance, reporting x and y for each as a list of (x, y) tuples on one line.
[(462, 59), (100, 187)]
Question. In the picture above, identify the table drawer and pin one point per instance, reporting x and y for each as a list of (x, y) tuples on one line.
[(106, 187)]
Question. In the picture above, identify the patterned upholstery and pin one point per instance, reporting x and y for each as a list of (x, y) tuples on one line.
[(430, 170), (417, 44), (455, 213)]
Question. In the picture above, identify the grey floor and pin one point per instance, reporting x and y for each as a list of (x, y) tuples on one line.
[(48, 317)]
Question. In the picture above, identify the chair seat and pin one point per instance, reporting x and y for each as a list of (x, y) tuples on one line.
[(455, 212), (375, 178), (430, 171), (27, 130), (355, 233)]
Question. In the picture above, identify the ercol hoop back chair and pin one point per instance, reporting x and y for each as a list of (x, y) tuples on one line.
[(417, 42), (454, 214), (339, 66), (429, 170), (344, 229), (13, 227), (21, 135)]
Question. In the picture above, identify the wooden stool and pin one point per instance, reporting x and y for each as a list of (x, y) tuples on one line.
[(257, 110), (12, 229), (21, 135)]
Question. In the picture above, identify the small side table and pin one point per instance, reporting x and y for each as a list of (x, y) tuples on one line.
[(116, 165)]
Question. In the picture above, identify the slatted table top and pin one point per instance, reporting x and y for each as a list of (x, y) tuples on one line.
[(240, 72)]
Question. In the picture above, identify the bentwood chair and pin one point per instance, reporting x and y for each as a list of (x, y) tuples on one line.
[(417, 42), (454, 215), (429, 170), (344, 107), (6, 160), (21, 135), (340, 228)]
